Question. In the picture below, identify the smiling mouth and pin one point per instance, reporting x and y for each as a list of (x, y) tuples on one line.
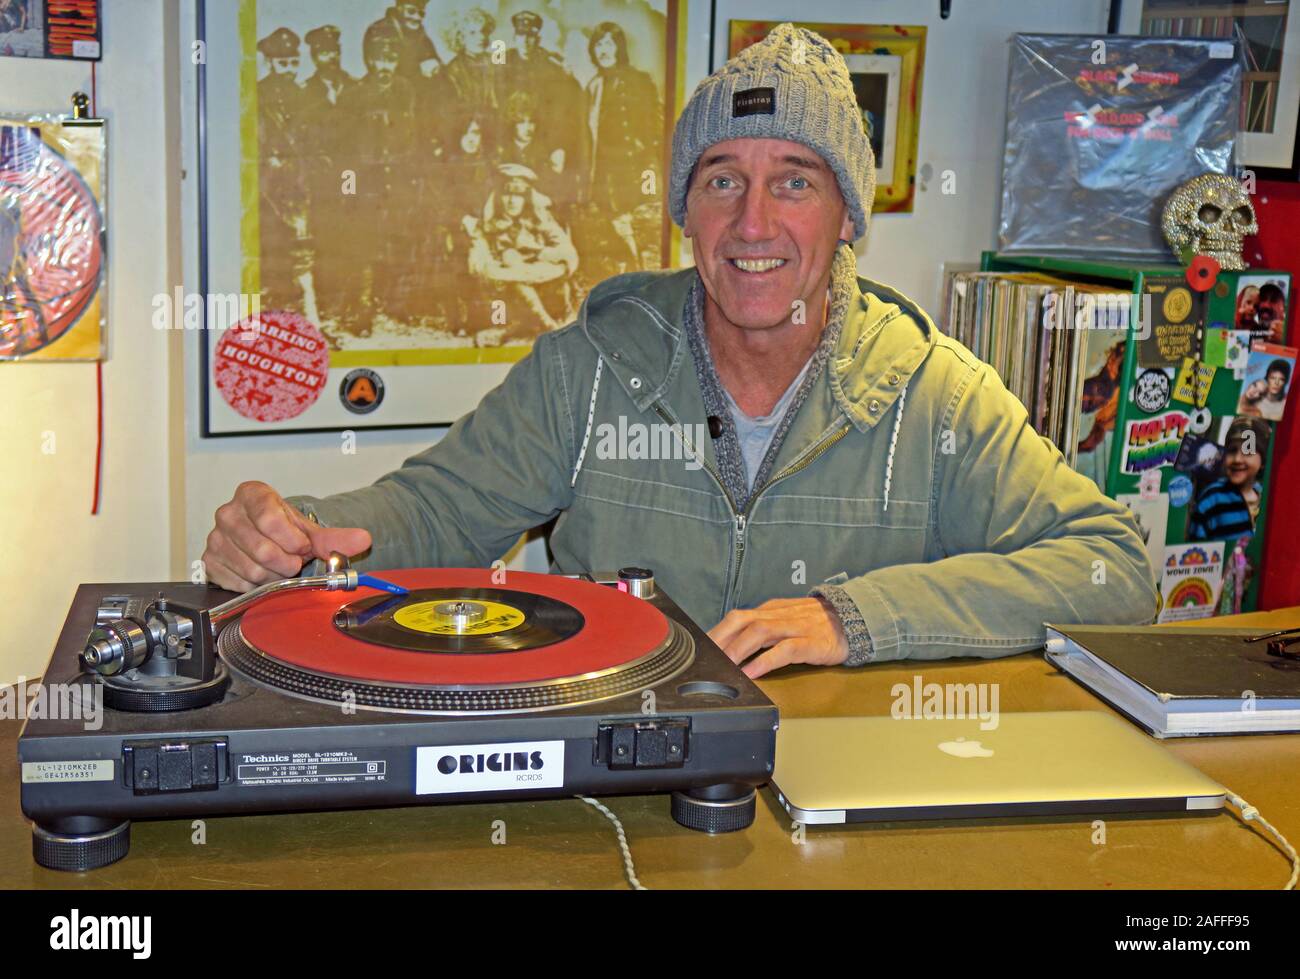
[(755, 265)]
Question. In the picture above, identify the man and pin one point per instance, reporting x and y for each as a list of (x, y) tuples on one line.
[(283, 193), (1270, 310), (380, 108), (845, 440), (326, 147), (625, 152), (473, 76), (536, 147), (322, 90), (414, 46), (540, 73), (1275, 384), (520, 249)]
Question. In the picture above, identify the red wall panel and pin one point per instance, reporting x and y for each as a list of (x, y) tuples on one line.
[(1277, 205)]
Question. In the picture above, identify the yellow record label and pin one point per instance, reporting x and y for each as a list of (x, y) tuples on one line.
[(423, 617)]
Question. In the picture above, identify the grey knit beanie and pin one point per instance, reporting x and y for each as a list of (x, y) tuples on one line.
[(790, 85)]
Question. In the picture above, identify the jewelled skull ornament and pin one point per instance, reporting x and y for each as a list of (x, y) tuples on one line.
[(1211, 215)]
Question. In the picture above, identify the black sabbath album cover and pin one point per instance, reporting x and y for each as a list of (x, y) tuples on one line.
[(1101, 129)]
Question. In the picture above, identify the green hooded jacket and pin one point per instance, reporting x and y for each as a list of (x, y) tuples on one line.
[(909, 489)]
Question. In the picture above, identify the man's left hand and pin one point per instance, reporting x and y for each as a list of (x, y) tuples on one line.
[(782, 631)]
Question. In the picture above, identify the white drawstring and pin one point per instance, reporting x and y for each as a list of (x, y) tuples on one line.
[(893, 443), (591, 414)]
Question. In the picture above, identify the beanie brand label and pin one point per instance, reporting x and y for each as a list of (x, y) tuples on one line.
[(753, 102)]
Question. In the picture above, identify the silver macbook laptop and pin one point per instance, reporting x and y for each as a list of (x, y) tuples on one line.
[(868, 769)]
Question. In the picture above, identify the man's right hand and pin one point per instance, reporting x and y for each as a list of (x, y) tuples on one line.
[(259, 537)]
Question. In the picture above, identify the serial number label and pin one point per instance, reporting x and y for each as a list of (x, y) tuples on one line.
[(308, 768), (93, 770)]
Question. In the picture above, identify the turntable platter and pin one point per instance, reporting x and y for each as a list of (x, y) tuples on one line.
[(459, 642)]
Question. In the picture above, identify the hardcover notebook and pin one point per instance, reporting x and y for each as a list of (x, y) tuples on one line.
[(1177, 682)]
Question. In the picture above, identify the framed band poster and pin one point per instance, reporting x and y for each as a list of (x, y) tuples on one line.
[(398, 198)]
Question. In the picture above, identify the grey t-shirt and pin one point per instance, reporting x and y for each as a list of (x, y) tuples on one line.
[(755, 434)]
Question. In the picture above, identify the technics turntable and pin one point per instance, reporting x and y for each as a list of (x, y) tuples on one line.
[(332, 692)]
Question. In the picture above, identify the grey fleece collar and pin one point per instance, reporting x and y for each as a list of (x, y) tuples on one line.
[(731, 464)]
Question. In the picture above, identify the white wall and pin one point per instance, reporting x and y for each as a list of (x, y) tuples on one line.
[(162, 482), (52, 543)]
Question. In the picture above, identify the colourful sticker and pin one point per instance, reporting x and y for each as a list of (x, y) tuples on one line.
[(1180, 491), (1172, 318), (1151, 443), (1238, 349), (1267, 381), (1149, 484), (1226, 347), (1199, 457), (1193, 383), (1189, 585), (361, 391), (1151, 391), (271, 367)]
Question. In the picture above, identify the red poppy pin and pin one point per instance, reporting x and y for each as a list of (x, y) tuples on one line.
[(1202, 272)]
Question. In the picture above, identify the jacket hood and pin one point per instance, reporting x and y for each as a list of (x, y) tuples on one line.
[(635, 323)]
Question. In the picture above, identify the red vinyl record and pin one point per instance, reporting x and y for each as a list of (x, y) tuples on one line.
[(298, 628)]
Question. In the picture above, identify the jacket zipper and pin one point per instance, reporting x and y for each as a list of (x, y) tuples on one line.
[(740, 521)]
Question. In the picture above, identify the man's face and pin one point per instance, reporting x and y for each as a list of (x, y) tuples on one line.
[(1276, 383), (471, 138), (325, 57), (765, 217), (412, 15), (1268, 310), (526, 43), (383, 63), (524, 130), (513, 201), (475, 37), (606, 51), (285, 66), (1241, 468)]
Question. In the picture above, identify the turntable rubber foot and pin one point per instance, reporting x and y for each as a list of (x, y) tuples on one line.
[(80, 843), (712, 812)]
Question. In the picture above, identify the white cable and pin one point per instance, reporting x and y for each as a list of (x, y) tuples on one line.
[(628, 867), (591, 414), (1250, 814)]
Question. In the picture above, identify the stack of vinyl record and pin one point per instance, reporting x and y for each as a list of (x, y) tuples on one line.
[(1047, 338)]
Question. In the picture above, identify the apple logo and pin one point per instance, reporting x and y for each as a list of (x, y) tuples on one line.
[(961, 748)]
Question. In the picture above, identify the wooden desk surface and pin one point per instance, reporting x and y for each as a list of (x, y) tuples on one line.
[(566, 843)]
